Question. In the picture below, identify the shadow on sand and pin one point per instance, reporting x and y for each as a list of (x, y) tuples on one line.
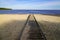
[(12, 29), (35, 32), (50, 29), (57, 15)]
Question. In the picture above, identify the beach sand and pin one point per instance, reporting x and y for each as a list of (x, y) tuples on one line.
[(50, 25), (11, 25)]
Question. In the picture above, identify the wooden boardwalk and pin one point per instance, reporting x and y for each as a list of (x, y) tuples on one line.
[(31, 30)]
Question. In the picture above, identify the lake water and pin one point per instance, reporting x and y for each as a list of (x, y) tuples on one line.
[(30, 12)]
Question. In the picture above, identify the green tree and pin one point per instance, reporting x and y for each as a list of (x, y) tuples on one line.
[(5, 9)]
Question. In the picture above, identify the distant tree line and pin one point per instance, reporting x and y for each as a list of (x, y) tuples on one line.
[(5, 9)]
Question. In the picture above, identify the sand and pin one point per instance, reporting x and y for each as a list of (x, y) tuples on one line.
[(10, 17), (11, 25), (49, 18), (50, 25)]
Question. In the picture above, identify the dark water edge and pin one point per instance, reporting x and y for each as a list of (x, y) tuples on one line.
[(53, 12)]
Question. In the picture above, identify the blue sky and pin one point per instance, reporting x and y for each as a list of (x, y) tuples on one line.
[(31, 4)]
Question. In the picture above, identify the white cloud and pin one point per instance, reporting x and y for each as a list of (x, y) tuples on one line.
[(50, 3), (31, 5), (5, 2), (35, 5)]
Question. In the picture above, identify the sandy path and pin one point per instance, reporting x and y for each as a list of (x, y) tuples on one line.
[(32, 30)]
